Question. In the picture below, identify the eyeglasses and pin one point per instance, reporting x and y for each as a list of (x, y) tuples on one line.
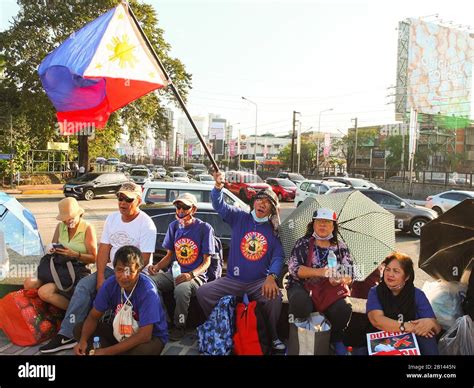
[(182, 206), (126, 199)]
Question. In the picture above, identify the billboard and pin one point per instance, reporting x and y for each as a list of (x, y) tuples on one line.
[(434, 74)]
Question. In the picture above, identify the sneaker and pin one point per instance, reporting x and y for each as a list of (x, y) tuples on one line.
[(57, 343), (278, 347), (177, 333)]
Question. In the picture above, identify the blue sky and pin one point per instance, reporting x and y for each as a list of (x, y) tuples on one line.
[(306, 56)]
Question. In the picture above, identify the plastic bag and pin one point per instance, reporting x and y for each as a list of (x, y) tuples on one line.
[(310, 337), (445, 299), (459, 339), (26, 319)]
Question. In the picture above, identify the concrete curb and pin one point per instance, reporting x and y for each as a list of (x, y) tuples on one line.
[(40, 192)]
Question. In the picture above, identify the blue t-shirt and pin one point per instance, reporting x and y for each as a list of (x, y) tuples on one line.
[(147, 308), (423, 306), (190, 243), (255, 251)]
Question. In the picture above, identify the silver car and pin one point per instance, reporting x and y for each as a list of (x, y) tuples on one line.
[(444, 201)]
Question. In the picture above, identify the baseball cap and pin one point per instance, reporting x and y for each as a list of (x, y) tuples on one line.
[(131, 190), (325, 214), (187, 198), (268, 194)]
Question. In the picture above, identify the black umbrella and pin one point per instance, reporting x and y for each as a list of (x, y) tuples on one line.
[(447, 242)]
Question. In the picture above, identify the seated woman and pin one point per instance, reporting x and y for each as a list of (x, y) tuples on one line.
[(128, 287), (79, 242), (397, 305), (323, 231)]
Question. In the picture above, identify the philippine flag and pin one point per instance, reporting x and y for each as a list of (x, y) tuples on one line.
[(99, 69)]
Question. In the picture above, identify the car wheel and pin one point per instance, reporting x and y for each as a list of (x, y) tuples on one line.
[(416, 225), (89, 195), (280, 197), (282, 280), (242, 196), (438, 210)]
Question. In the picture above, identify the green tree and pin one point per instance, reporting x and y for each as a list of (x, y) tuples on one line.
[(40, 27), (307, 158), (346, 144)]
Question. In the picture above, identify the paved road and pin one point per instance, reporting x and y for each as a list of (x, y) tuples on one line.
[(44, 209)]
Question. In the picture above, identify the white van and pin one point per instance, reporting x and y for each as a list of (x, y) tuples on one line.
[(166, 192)]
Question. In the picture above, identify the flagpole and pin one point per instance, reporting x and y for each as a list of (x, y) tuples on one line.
[(173, 88)]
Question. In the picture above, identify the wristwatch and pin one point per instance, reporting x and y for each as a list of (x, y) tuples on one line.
[(402, 327)]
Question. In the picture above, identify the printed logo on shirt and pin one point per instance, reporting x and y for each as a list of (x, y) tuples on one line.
[(120, 239), (186, 250), (253, 246)]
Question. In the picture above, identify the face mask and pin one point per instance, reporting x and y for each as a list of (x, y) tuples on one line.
[(256, 219), (183, 219), (71, 224), (317, 237)]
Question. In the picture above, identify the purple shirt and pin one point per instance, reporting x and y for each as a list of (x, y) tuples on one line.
[(255, 251)]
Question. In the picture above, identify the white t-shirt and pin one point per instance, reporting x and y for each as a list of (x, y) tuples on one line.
[(141, 233)]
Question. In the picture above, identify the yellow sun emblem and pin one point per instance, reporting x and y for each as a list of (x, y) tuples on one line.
[(122, 52)]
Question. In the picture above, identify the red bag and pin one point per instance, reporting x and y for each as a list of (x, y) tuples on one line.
[(323, 293), (251, 332), (26, 319)]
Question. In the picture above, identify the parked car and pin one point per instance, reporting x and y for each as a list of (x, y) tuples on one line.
[(179, 176), (197, 166), (244, 184), (444, 201), (294, 177), (162, 191), (163, 214), (100, 160), (140, 175), (409, 218), (356, 183), (171, 169), (113, 161), (92, 184), (205, 179), (315, 187), (283, 188)]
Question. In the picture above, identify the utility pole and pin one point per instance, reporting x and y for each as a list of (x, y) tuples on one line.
[(355, 145), (293, 142)]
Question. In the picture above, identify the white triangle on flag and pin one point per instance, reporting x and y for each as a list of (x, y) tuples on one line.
[(123, 53)]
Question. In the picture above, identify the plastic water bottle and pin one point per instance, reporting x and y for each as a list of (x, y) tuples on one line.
[(95, 345), (332, 260), (332, 263), (176, 269)]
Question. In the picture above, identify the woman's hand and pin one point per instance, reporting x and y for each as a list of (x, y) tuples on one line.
[(81, 348), (424, 327), (67, 252), (270, 288), (153, 269), (219, 179)]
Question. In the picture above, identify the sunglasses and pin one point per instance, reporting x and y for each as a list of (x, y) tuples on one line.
[(126, 199), (182, 206)]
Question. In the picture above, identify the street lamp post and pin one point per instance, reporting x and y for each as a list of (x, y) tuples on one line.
[(319, 129), (255, 149)]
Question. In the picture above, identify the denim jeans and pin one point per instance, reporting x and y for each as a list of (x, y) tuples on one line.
[(81, 302)]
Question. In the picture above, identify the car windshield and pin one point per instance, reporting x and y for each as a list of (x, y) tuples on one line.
[(87, 177), (362, 183), (139, 173), (206, 177), (296, 177), (286, 183), (180, 174), (251, 178)]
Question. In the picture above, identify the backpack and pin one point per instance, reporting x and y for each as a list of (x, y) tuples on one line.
[(251, 336), (215, 335), (217, 259)]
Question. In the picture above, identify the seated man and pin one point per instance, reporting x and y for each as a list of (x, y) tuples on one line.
[(127, 288), (255, 257)]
